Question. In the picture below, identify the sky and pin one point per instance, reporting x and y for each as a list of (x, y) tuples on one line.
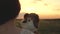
[(46, 9)]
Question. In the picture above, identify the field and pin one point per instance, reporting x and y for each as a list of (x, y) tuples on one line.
[(46, 26)]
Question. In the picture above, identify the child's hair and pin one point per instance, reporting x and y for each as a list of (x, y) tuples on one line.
[(26, 15), (9, 9), (35, 19)]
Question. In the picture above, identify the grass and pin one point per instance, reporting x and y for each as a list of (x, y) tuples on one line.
[(47, 26)]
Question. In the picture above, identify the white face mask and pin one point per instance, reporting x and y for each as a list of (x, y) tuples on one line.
[(28, 25)]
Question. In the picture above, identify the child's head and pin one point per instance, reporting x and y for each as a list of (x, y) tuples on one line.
[(31, 21), (9, 9)]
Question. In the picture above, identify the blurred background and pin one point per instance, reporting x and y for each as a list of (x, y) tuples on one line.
[(48, 11)]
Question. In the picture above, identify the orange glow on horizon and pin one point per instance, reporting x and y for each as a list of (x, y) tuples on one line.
[(44, 8)]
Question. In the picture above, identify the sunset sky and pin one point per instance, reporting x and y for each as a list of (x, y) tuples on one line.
[(46, 9)]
